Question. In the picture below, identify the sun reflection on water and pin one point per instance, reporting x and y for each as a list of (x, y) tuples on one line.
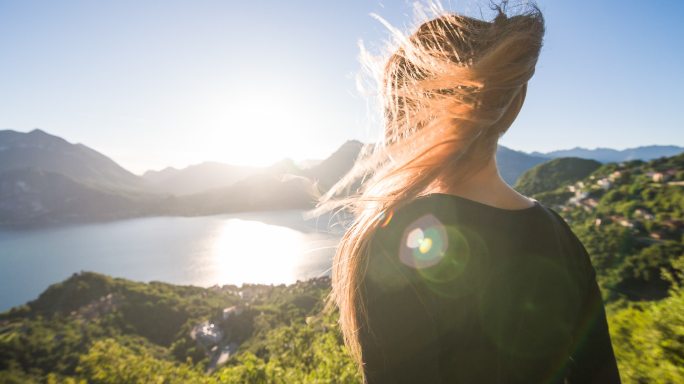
[(254, 252)]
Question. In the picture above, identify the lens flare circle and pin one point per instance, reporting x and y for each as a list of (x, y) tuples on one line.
[(425, 242), (414, 238), (425, 245)]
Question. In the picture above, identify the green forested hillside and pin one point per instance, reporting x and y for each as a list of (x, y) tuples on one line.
[(555, 173), (630, 217), (97, 329)]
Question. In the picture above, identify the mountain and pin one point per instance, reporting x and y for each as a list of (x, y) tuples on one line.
[(513, 163), (45, 179), (606, 155), (30, 195), (283, 185), (330, 171), (308, 163), (218, 179), (555, 173), (153, 177), (195, 178), (40, 150), (280, 186)]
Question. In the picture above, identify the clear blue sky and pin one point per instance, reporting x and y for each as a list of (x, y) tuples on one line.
[(157, 83)]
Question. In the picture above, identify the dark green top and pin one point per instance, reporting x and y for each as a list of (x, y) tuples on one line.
[(458, 291)]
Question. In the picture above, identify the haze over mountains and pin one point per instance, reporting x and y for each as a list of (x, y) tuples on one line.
[(195, 178), (44, 179), (607, 155)]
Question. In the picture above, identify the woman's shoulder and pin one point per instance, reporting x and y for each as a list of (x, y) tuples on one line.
[(418, 233), (413, 241), (400, 232), (397, 218), (452, 210), (577, 254), (402, 224)]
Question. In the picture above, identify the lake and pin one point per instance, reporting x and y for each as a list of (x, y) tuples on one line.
[(260, 247)]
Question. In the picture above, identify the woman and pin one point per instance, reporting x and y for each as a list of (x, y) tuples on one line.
[(447, 274)]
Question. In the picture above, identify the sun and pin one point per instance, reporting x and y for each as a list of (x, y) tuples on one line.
[(255, 125)]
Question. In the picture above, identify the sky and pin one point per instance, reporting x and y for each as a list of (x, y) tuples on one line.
[(153, 84)]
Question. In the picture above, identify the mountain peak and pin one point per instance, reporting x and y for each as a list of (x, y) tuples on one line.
[(41, 150), (352, 142), (38, 131)]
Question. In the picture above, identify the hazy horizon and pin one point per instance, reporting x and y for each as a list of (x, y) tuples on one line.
[(299, 160), (249, 83)]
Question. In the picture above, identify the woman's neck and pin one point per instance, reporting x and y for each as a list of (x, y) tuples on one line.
[(486, 186)]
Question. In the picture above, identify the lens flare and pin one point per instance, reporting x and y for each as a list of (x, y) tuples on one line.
[(414, 238), (386, 218), (425, 243)]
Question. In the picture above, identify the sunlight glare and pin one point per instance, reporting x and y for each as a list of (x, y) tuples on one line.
[(255, 252), (257, 125)]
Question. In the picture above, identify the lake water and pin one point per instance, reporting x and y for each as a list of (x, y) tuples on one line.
[(264, 247)]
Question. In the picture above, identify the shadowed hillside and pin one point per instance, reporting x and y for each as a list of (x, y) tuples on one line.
[(555, 173), (40, 150)]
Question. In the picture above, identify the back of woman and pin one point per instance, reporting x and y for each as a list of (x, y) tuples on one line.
[(447, 274), (462, 292)]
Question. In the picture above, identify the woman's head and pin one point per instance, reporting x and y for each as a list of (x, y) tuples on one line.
[(448, 92), (459, 82)]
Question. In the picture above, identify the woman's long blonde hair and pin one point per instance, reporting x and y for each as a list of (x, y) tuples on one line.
[(448, 92)]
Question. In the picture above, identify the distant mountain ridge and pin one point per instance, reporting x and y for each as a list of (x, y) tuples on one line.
[(196, 178), (40, 150), (513, 163), (608, 155), (44, 179), (330, 170)]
